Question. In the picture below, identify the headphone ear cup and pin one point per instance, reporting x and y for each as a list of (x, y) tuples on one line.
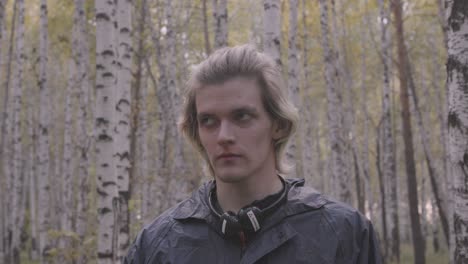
[(230, 224), (250, 218)]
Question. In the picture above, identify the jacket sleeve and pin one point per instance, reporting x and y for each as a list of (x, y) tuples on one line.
[(369, 248), (135, 254)]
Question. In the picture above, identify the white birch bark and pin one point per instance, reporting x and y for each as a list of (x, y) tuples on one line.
[(457, 80), (5, 148), (31, 171), (293, 83), (106, 81), (17, 176), (334, 115), (3, 116), (220, 15), (310, 158), (388, 155), (272, 29), (146, 178), (256, 27), (365, 145), (66, 204), (44, 130), (2, 138), (82, 124), (122, 129)]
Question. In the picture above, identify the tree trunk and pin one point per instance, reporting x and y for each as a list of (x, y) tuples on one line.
[(122, 153), (44, 129), (389, 170), (310, 157), (138, 171), (5, 144), (404, 72), (365, 145), (163, 102), (272, 29), (293, 84), (83, 146), (382, 188), (457, 83), (107, 188), (3, 117), (334, 114), (220, 15), (31, 171), (66, 205), (206, 32), (17, 175), (2, 123)]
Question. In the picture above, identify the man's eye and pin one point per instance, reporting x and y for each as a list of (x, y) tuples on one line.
[(243, 116), (207, 121)]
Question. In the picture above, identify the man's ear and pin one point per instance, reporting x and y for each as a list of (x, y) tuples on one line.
[(280, 129)]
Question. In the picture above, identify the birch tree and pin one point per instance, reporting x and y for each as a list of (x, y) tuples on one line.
[(220, 15), (122, 129), (365, 147), (3, 4), (272, 29), (107, 188), (83, 142), (309, 169), (457, 80), (31, 161), (293, 79), (66, 206), (5, 146), (334, 114), (388, 159), (44, 129), (206, 32), (17, 175)]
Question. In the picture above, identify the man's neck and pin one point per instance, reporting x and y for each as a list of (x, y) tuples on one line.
[(234, 196)]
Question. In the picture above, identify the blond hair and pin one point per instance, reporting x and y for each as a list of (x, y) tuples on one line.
[(242, 61)]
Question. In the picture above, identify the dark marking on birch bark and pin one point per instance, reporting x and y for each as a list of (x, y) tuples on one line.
[(458, 14), (453, 120), (453, 64)]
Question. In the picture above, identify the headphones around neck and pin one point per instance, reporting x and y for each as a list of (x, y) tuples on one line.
[(248, 219)]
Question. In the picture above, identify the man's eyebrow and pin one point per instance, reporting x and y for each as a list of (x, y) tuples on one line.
[(248, 109), (203, 114)]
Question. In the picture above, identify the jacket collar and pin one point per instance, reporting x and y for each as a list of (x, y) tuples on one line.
[(300, 199)]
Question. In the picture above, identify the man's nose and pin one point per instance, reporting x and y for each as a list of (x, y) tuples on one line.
[(225, 133)]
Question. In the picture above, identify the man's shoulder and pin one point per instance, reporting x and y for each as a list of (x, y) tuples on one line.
[(191, 207), (337, 213)]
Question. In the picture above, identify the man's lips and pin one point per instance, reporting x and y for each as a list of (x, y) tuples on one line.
[(227, 156)]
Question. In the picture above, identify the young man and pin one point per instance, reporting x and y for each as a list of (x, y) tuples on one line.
[(238, 116)]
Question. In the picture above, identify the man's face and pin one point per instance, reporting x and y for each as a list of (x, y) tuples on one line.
[(235, 130)]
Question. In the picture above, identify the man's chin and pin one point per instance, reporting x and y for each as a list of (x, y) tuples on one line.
[(230, 177)]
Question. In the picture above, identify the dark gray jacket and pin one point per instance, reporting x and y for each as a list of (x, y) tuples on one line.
[(308, 228)]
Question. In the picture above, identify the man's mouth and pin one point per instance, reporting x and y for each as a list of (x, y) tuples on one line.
[(225, 156)]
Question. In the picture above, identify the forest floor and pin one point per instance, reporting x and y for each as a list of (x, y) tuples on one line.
[(440, 257)]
